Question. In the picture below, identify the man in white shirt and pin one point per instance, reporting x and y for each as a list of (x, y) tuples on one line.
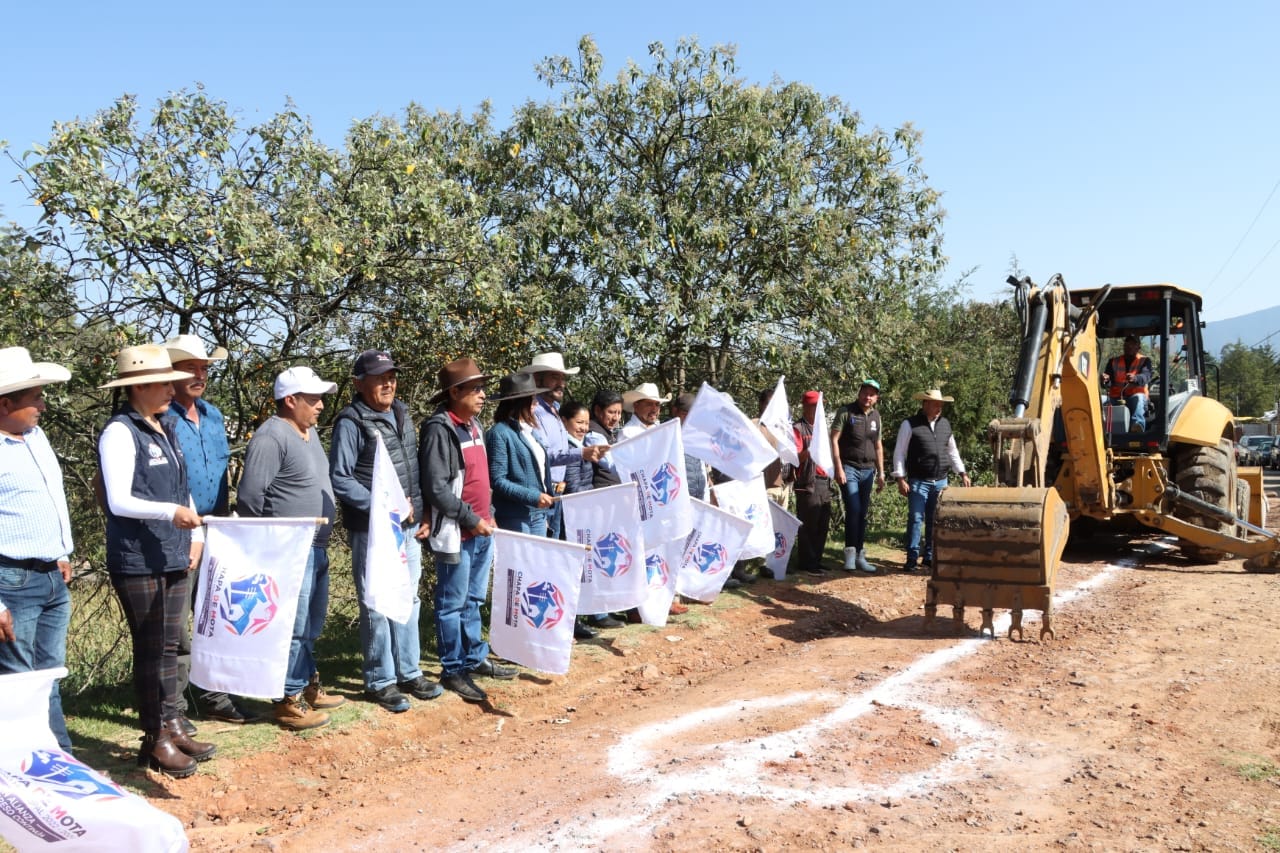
[(924, 453), (645, 405)]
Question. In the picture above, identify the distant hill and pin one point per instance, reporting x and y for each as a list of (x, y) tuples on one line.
[(1247, 329)]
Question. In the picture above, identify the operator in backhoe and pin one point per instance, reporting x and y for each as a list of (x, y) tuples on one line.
[(1127, 378)]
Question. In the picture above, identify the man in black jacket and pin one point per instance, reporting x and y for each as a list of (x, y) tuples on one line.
[(391, 651), (924, 453)]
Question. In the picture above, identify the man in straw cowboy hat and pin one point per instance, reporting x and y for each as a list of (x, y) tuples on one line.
[(549, 372), (454, 467), (645, 405), (924, 453), (35, 530), (286, 475), (202, 434)]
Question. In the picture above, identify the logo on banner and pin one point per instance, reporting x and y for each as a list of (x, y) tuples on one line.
[(250, 605), (753, 513), (711, 557), (726, 444), (67, 777), (655, 567), (398, 532), (779, 545), (612, 555), (542, 605), (664, 484)]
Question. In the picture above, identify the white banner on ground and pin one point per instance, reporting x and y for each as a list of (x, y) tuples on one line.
[(49, 800), (710, 551), (608, 521), (388, 585), (535, 599), (661, 565), (820, 444), (654, 459), (777, 419), (718, 433), (785, 528), (749, 501), (250, 576)]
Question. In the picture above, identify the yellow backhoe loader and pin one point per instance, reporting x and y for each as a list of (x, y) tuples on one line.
[(1072, 451)]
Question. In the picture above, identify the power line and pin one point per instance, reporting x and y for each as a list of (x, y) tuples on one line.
[(1243, 237)]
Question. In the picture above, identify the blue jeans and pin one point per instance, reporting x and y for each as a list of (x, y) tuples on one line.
[(534, 522), (40, 607), (461, 589), (313, 604), (555, 520), (922, 503), (391, 651), (1137, 404), (857, 504)]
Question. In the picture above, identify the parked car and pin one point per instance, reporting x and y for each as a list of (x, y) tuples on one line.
[(1263, 448), (1245, 456)]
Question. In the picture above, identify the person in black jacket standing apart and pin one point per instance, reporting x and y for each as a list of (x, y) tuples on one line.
[(924, 453), (391, 651)]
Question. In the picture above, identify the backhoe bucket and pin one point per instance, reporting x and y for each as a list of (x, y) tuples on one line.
[(997, 547)]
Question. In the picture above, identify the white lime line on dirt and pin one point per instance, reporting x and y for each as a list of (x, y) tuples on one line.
[(742, 767)]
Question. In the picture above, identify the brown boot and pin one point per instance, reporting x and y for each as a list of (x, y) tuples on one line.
[(315, 696), (198, 750), (159, 753), (294, 714)]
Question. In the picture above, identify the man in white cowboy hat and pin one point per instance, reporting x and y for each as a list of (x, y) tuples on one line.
[(645, 404), (286, 475), (923, 455), (550, 373), (35, 530), (202, 435)]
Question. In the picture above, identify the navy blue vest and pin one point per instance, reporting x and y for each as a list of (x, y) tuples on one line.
[(139, 546), (927, 452), (402, 447)]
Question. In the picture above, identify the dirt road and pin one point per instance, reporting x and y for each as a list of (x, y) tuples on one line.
[(818, 714)]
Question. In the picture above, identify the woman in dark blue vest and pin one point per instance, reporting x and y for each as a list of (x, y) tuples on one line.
[(517, 459), (150, 548)]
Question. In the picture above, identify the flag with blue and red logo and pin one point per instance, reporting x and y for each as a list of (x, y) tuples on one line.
[(718, 433), (50, 800), (785, 528), (654, 459), (749, 501), (608, 522), (661, 565), (250, 576), (710, 551), (389, 588), (535, 599)]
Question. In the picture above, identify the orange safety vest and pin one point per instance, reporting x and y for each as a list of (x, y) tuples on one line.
[(1120, 376)]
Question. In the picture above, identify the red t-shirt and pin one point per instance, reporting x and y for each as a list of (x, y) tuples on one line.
[(475, 468)]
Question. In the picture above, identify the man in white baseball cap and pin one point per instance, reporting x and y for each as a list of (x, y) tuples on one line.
[(35, 530), (286, 475)]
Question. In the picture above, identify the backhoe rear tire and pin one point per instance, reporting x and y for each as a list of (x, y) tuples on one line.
[(1205, 473)]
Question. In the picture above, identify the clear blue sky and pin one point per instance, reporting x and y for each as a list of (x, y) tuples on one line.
[(1111, 142)]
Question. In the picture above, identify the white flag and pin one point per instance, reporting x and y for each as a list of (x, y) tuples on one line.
[(785, 528), (655, 460), (661, 565), (718, 433), (50, 800), (250, 577), (388, 584), (777, 419), (749, 501), (710, 551), (608, 521), (820, 444), (535, 599)]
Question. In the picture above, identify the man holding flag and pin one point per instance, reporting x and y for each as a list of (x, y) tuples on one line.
[(858, 452), (390, 649), (813, 483)]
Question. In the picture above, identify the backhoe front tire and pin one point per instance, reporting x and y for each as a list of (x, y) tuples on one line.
[(1205, 473)]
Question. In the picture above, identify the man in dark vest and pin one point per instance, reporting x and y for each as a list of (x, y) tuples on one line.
[(390, 650), (924, 454), (859, 456)]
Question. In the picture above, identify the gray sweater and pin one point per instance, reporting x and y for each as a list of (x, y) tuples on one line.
[(286, 477)]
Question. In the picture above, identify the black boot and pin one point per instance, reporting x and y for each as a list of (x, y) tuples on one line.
[(198, 750), (159, 753)]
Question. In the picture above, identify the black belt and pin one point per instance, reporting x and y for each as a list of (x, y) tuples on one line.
[(32, 564)]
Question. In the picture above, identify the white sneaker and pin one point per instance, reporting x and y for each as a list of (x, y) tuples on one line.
[(850, 559)]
